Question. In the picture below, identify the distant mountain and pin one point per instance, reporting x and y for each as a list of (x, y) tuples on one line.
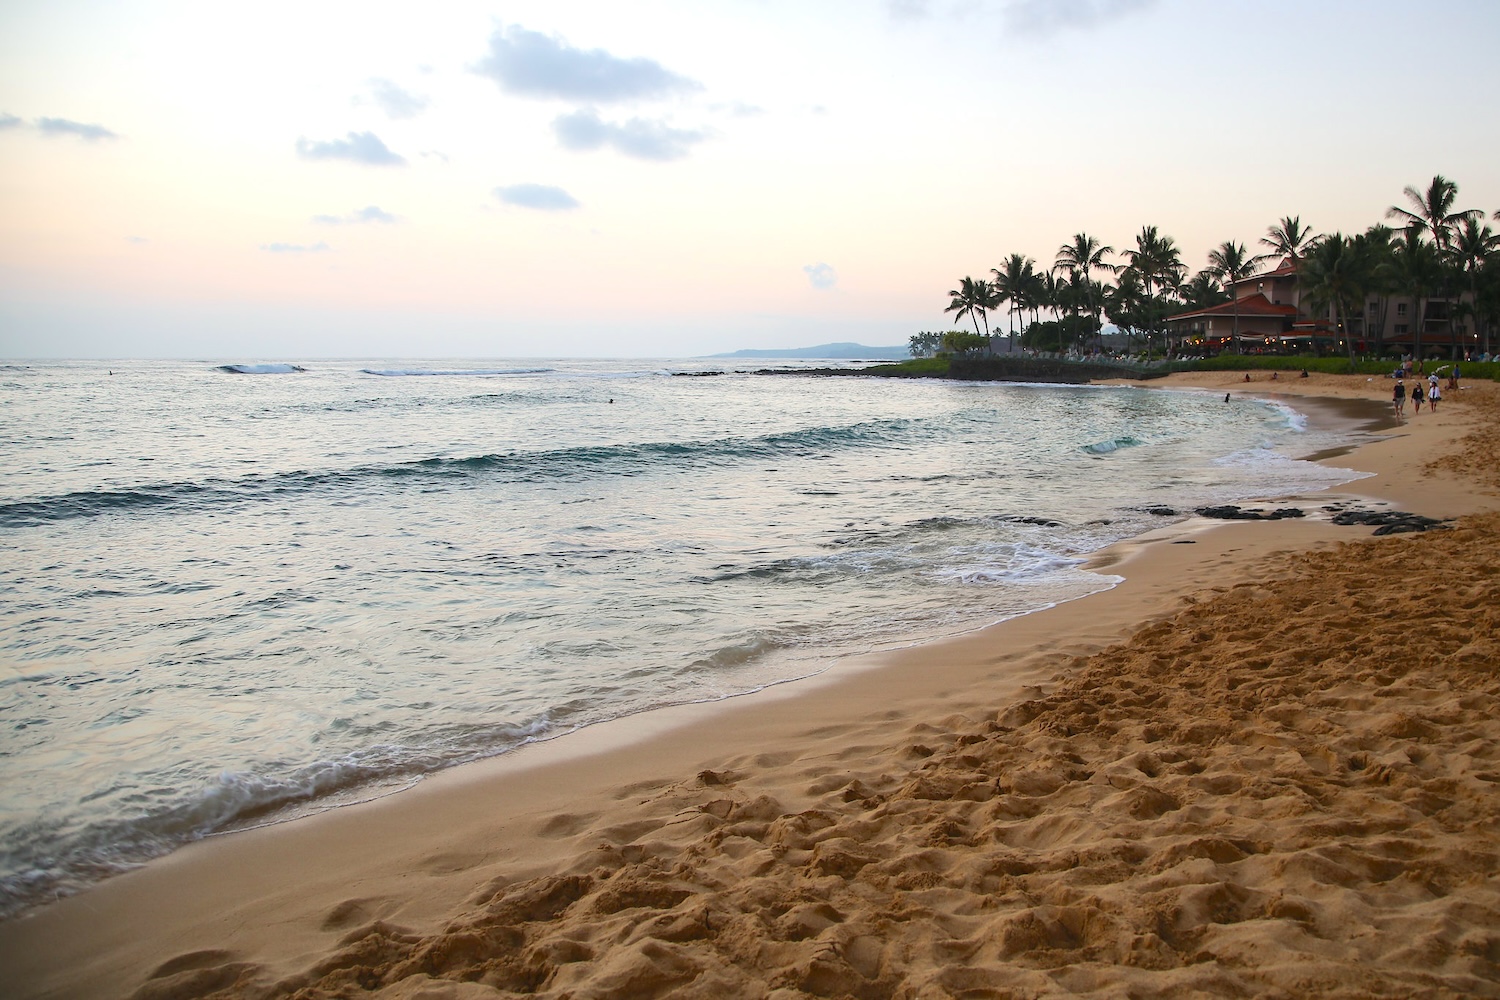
[(842, 352)]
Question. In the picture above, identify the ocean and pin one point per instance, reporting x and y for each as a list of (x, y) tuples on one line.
[(231, 595)]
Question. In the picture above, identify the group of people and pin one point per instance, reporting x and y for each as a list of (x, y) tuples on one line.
[(1433, 394)]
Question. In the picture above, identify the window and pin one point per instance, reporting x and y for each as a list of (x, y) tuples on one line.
[(1372, 308), (1400, 308), (1400, 329)]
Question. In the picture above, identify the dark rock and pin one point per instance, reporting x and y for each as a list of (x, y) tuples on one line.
[(1389, 522), (1230, 512)]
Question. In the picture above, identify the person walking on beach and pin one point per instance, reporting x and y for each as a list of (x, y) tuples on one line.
[(1433, 395), (1416, 399), (1398, 398)]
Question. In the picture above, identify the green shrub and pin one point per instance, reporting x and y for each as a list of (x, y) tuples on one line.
[(1329, 365), (915, 368)]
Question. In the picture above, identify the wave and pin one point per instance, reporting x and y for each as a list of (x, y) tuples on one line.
[(992, 548), (234, 800), (581, 462), (270, 369), (1110, 445), (401, 372)]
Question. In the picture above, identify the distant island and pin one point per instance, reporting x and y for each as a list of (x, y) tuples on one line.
[(842, 351)]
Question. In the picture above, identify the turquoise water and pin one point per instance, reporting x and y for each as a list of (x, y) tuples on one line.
[(228, 597)]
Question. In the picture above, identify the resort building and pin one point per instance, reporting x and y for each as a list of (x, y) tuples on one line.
[(1270, 316)]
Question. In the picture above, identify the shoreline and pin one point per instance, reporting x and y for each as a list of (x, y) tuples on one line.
[(256, 906)]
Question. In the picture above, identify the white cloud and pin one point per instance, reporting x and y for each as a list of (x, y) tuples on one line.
[(62, 126), (820, 275), (530, 64), (396, 102), (358, 147), (370, 213), (294, 248), (1044, 17), (645, 140), (543, 197)]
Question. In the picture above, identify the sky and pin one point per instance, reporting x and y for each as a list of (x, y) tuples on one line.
[(672, 178)]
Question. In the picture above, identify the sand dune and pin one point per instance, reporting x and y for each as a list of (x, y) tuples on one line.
[(1285, 784)]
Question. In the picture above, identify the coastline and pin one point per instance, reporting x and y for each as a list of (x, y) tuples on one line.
[(639, 799)]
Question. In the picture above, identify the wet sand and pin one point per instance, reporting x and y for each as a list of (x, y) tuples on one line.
[(1267, 764)]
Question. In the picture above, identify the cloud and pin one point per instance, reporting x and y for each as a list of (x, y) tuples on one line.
[(137, 240), (396, 102), (584, 130), (370, 213), (530, 64), (820, 275), (10, 121), (358, 147), (1045, 17), (907, 10), (62, 126), (294, 248), (738, 109), (544, 197)]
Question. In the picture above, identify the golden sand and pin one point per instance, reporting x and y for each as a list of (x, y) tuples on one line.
[(1285, 783)]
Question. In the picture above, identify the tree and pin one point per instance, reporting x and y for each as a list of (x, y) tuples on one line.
[(1203, 291), (1431, 211), (924, 344), (1232, 264), (1084, 256), (1414, 268), (1475, 245), (1289, 238), (1373, 248), (974, 299), (1124, 302), (1158, 264), (1015, 284), (962, 342), (1329, 276)]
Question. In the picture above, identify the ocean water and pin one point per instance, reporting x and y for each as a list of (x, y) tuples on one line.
[(228, 596)]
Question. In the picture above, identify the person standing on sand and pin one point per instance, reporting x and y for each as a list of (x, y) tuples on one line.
[(1398, 398), (1433, 395), (1416, 399)]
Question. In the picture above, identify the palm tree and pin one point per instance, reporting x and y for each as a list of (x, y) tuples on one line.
[(1014, 284), (1085, 255), (974, 299), (1432, 210), (1124, 302), (1329, 277), (1036, 291), (1203, 291), (1414, 269), (1473, 247), (1289, 238), (1374, 249), (1156, 262), (1055, 296), (1230, 262)]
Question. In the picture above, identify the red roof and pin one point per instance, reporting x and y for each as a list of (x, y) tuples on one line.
[(1250, 305), (1286, 269)]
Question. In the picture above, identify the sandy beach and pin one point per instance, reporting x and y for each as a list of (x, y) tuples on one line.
[(1267, 764)]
